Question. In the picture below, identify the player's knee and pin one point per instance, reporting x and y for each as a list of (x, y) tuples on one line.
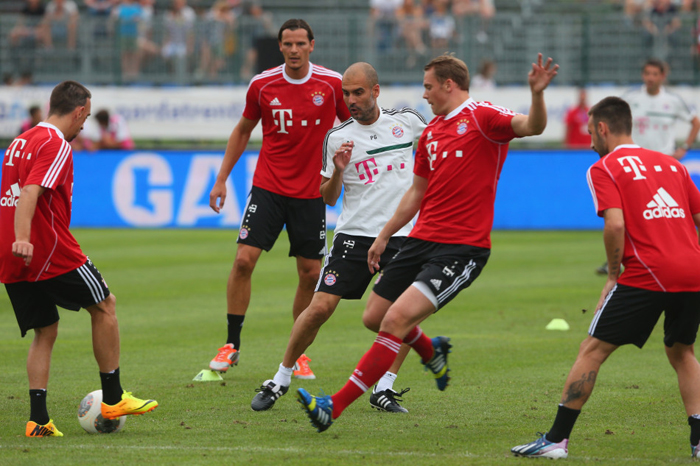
[(243, 266), (679, 355), (318, 314), (371, 321), (46, 334), (395, 323)]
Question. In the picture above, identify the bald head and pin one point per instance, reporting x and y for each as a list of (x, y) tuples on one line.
[(362, 70), (360, 92)]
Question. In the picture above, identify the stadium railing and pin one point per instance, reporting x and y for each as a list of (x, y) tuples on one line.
[(591, 49)]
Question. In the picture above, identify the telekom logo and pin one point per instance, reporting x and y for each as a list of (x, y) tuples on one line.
[(280, 120), (366, 169), (631, 163)]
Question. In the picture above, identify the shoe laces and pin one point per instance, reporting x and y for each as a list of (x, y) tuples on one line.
[(396, 396), (265, 387)]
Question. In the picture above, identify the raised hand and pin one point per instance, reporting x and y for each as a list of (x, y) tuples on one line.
[(541, 75)]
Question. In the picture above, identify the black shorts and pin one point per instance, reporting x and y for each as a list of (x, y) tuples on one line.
[(35, 302), (345, 271), (445, 268), (266, 213), (629, 315)]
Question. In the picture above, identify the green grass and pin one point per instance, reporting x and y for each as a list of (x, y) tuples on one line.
[(507, 369)]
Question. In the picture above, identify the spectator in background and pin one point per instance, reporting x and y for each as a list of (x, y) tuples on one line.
[(576, 122), (412, 24), (218, 34), (383, 23), (179, 34), (128, 15), (661, 24), (484, 8), (634, 10), (257, 29), (442, 26), (36, 116), (109, 132), (146, 45), (484, 80), (100, 11), (61, 21), (27, 35)]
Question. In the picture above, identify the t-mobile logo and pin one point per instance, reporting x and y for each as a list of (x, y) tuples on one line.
[(631, 163), (367, 170), (282, 118)]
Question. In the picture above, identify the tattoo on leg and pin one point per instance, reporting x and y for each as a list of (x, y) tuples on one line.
[(578, 389)]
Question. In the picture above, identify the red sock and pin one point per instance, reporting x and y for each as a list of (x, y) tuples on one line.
[(369, 370), (420, 342)]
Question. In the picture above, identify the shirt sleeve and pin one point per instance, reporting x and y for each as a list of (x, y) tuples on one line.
[(497, 122), (693, 194), (52, 162), (329, 148), (417, 121), (684, 112), (421, 165), (252, 109), (603, 189)]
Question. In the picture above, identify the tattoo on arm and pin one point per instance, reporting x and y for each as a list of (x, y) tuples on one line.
[(615, 264), (580, 388)]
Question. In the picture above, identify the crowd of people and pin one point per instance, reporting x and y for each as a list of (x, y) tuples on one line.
[(190, 39)]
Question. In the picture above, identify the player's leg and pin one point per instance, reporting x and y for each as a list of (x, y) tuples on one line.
[(308, 271), (35, 310), (306, 226), (304, 331), (680, 328), (627, 317), (262, 222)]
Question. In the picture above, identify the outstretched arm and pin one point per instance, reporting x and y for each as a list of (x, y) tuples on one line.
[(539, 78)]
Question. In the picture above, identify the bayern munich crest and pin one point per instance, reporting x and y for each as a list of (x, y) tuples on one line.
[(329, 279), (397, 131), (462, 126), (317, 98), (243, 234)]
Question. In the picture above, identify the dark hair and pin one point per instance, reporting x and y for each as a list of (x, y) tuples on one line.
[(447, 66), (293, 25), (655, 62), (67, 96), (102, 117), (34, 109), (614, 112)]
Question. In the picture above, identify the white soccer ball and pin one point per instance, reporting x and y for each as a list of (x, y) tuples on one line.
[(90, 416)]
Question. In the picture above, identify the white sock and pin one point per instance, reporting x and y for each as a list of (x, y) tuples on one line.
[(385, 383), (283, 376)]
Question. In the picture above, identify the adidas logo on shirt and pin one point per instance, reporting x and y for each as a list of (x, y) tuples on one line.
[(275, 101), (11, 196), (663, 206), (436, 283)]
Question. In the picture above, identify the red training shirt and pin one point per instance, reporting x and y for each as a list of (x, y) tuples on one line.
[(296, 115), (658, 199), (577, 136), (461, 155), (40, 156)]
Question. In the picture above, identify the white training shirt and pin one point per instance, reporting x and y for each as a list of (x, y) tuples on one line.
[(654, 118), (380, 170)]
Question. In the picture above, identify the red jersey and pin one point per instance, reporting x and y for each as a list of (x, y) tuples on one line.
[(296, 115), (577, 128), (658, 200), (40, 156), (461, 155)]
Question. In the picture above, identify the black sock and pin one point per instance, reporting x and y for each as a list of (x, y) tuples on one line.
[(235, 323), (37, 405), (694, 423), (563, 424), (111, 387)]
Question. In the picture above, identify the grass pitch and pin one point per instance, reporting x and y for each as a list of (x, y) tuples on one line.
[(507, 370)]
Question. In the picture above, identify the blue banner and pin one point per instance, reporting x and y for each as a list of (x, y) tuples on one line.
[(537, 190)]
